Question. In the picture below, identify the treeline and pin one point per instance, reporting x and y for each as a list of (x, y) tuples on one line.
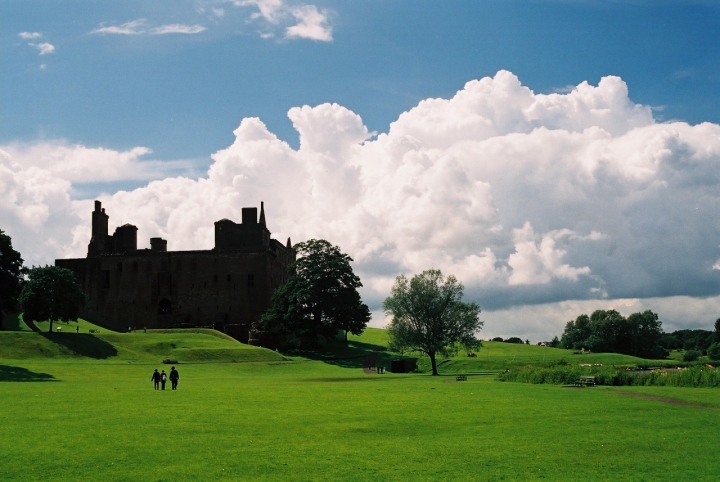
[(640, 335), (608, 331), (699, 340)]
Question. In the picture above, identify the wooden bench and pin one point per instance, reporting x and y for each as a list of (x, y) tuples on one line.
[(585, 382), (461, 378)]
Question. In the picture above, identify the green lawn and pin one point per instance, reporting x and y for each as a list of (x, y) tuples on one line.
[(81, 413)]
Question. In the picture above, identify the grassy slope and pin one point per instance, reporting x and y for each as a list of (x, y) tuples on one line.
[(312, 420), (197, 346), (494, 356), (14, 322), (73, 417)]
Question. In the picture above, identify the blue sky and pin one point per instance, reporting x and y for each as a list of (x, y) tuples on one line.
[(557, 156), (181, 95)]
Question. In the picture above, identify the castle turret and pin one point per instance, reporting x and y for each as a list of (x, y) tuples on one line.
[(262, 213), (250, 234), (125, 239), (99, 240)]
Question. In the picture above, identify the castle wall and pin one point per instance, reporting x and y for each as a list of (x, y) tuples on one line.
[(154, 288)]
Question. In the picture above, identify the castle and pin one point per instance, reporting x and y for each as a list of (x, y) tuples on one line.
[(227, 287)]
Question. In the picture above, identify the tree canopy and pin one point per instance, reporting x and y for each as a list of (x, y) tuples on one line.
[(51, 293), (319, 299), (608, 331), (429, 316), (11, 274)]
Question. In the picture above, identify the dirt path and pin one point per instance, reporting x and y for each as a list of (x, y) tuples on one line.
[(671, 401)]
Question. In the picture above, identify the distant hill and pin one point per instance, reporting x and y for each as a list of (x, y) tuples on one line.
[(494, 356)]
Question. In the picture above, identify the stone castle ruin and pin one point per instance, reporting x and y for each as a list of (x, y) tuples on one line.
[(227, 287)]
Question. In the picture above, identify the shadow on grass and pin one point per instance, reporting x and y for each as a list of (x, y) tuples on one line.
[(349, 355), (81, 344), (19, 374)]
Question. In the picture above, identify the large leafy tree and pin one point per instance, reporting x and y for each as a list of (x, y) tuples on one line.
[(319, 298), (11, 274), (51, 293), (429, 316), (608, 331)]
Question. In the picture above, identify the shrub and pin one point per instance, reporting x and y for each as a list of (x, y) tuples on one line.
[(514, 339), (497, 338), (714, 351), (691, 355), (694, 376)]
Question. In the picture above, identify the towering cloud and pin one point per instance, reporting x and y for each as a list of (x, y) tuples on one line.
[(527, 198)]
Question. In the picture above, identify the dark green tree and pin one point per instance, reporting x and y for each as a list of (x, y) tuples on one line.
[(51, 293), (714, 352), (429, 316), (644, 330), (576, 332), (319, 298), (11, 274)]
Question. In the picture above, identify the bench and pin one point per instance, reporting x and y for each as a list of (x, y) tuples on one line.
[(461, 378), (585, 382)]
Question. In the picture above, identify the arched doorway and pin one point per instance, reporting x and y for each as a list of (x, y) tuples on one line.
[(164, 307)]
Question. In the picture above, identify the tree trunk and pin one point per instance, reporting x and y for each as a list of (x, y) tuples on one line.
[(346, 336), (50, 330), (433, 363)]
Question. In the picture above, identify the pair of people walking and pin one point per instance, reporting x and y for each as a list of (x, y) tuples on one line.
[(159, 379)]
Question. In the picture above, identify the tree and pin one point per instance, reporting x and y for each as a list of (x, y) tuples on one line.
[(51, 293), (319, 298), (11, 274), (428, 315), (714, 352), (717, 330)]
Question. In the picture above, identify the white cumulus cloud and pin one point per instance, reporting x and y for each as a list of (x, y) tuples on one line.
[(44, 47), (29, 35), (530, 199), (303, 21), (312, 24)]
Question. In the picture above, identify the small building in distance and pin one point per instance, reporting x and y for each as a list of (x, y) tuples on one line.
[(227, 287)]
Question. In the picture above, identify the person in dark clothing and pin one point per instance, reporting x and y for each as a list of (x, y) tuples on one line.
[(174, 377), (163, 379), (156, 379)]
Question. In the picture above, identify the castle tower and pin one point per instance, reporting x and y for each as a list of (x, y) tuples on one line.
[(99, 239)]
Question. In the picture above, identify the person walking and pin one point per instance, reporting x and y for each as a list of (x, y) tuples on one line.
[(156, 379), (163, 379), (174, 377)]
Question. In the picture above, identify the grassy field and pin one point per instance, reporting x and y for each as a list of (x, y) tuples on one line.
[(74, 413)]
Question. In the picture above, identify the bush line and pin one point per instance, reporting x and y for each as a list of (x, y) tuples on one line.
[(692, 376)]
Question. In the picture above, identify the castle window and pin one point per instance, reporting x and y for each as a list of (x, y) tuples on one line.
[(119, 266), (229, 278), (105, 278), (193, 286), (251, 280)]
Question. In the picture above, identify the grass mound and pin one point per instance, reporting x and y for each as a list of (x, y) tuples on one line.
[(190, 346)]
